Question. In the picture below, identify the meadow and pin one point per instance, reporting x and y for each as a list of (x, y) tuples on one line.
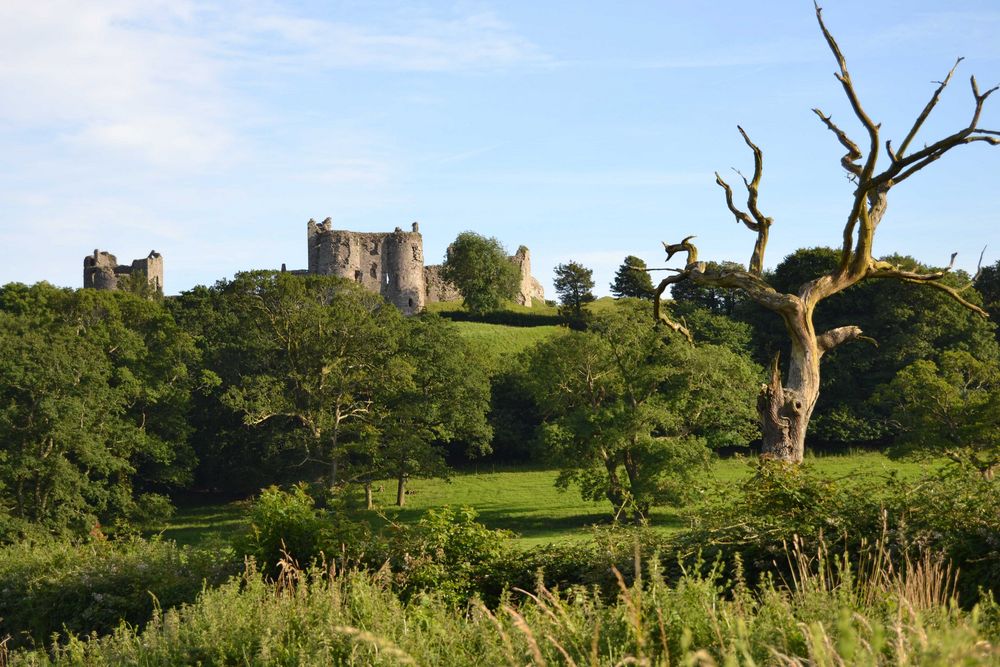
[(523, 501)]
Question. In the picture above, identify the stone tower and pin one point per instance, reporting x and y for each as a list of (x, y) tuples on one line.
[(389, 263), (529, 289), (101, 270)]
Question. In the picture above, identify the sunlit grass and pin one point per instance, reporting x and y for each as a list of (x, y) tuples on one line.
[(524, 501), (501, 342)]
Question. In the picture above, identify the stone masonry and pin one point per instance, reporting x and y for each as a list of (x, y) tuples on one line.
[(102, 271), (391, 263)]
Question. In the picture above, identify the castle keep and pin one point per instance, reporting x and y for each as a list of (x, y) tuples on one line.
[(102, 271), (391, 264)]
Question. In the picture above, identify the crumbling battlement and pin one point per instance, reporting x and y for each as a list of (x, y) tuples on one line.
[(101, 270), (391, 264)]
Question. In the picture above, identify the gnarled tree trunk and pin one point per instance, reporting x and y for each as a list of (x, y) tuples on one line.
[(785, 410)]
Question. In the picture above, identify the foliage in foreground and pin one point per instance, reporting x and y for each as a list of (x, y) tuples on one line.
[(319, 617), (954, 513), (52, 587)]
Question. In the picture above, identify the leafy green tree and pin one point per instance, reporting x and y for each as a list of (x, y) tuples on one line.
[(574, 284), (94, 388), (950, 409), (444, 399), (330, 349), (632, 280), (480, 269), (988, 284), (629, 416)]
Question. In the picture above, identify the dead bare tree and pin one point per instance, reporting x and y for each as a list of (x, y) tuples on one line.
[(785, 408)]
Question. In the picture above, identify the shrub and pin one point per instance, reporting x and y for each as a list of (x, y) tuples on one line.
[(286, 524), (450, 554), (312, 618), (50, 587), (954, 515)]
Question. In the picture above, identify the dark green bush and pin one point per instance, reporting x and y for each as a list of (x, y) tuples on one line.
[(287, 525), (952, 514), (450, 554), (50, 587), (508, 318)]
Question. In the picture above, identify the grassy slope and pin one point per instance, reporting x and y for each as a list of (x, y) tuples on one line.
[(524, 501), (499, 342)]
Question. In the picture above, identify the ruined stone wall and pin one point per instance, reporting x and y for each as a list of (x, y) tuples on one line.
[(102, 271), (528, 291), (99, 270), (391, 264), (439, 289)]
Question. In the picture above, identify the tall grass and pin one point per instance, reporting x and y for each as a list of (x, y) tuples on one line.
[(832, 612)]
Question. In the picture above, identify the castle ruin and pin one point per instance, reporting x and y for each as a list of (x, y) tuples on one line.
[(392, 264), (102, 271)]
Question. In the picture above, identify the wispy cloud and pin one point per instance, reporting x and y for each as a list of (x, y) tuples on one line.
[(124, 75), (406, 43), (160, 80), (618, 178), (976, 30)]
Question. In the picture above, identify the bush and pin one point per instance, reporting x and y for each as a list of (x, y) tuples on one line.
[(50, 587), (286, 525), (450, 554), (953, 515)]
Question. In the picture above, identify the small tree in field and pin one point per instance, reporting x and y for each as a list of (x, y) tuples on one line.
[(479, 268), (786, 407), (632, 279), (574, 284), (951, 408)]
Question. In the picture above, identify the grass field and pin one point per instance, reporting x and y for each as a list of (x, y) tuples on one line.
[(502, 342), (537, 308), (523, 501)]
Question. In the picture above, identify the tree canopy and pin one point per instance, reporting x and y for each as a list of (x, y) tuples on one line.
[(632, 280), (629, 416), (574, 283), (479, 267)]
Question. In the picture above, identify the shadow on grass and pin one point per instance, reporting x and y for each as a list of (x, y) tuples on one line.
[(530, 526), (204, 526)]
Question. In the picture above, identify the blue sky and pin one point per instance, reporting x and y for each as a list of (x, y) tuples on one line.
[(212, 131)]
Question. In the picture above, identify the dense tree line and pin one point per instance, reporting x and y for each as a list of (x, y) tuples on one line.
[(113, 402)]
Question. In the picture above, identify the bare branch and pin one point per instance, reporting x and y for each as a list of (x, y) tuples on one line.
[(752, 285), (845, 80), (740, 215), (849, 161), (926, 112), (658, 313), (886, 270), (905, 166), (834, 337), (683, 246), (759, 222), (754, 184)]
